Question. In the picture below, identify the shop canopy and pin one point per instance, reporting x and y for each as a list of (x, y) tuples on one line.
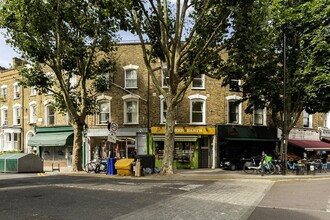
[(310, 145), (52, 139), (177, 138)]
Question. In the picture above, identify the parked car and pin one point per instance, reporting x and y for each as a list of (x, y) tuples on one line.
[(234, 163)]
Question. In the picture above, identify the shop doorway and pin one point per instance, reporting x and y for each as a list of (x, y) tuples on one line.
[(203, 158)]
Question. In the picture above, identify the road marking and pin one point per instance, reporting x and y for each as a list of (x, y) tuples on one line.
[(190, 187), (328, 206)]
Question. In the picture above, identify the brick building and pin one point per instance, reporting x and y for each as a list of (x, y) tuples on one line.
[(210, 123)]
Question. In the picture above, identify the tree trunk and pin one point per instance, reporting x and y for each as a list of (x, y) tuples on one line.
[(169, 142), (77, 148)]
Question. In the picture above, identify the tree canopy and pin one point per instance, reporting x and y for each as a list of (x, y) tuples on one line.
[(67, 38), (280, 49), (186, 36), (256, 55)]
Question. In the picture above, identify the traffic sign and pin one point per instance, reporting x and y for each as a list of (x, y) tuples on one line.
[(112, 137), (114, 127)]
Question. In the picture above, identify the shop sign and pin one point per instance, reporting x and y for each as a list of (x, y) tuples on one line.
[(197, 130), (302, 134), (324, 133)]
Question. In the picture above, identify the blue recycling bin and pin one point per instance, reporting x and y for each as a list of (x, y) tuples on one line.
[(111, 166)]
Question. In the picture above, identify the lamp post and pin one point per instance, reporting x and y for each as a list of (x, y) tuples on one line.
[(284, 126)]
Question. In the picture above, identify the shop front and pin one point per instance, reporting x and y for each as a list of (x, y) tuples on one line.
[(193, 148), (54, 145), (308, 143), (238, 141), (129, 142)]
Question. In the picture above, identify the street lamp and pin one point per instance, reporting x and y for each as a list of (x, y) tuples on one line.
[(284, 126)]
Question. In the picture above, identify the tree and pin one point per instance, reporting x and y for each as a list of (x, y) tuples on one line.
[(71, 37), (282, 57), (185, 35)]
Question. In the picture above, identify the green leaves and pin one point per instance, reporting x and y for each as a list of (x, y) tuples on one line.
[(255, 51)]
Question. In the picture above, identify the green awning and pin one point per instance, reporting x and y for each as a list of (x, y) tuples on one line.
[(52, 139), (251, 139)]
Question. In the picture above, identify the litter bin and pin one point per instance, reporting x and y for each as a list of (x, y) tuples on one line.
[(310, 169), (300, 169), (123, 167), (111, 166)]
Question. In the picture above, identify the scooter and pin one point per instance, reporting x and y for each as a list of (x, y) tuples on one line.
[(102, 166)]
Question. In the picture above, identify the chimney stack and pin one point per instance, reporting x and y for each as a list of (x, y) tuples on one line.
[(17, 62)]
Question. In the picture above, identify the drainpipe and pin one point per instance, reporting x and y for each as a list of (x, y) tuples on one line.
[(23, 122)]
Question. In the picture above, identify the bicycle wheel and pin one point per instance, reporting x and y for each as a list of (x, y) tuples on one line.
[(271, 169), (247, 170)]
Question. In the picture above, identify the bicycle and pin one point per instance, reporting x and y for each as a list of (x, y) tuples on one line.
[(267, 166)]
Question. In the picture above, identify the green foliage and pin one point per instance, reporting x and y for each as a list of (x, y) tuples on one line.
[(69, 38), (65, 40), (255, 50)]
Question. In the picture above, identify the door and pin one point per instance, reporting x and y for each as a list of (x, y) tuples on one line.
[(203, 161)]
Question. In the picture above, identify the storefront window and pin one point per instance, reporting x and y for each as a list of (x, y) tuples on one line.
[(183, 151), (54, 153), (59, 153)]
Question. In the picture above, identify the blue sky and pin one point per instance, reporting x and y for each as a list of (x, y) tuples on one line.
[(7, 52)]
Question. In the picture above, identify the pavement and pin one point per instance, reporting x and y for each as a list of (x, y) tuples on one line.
[(200, 174)]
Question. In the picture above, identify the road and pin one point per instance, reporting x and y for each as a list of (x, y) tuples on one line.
[(28, 196)]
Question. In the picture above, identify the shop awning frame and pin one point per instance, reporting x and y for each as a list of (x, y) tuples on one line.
[(251, 139), (177, 138), (51, 139), (311, 145)]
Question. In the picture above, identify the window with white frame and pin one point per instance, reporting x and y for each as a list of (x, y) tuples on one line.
[(49, 113), (163, 109), (234, 109), (33, 91), (16, 90), (104, 109), (51, 76), (33, 112), (199, 82), (235, 85), (104, 112), (4, 91), (131, 76), (259, 116), (4, 115), (197, 109), (307, 120), (17, 114), (131, 109), (326, 120), (73, 81), (165, 76)]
